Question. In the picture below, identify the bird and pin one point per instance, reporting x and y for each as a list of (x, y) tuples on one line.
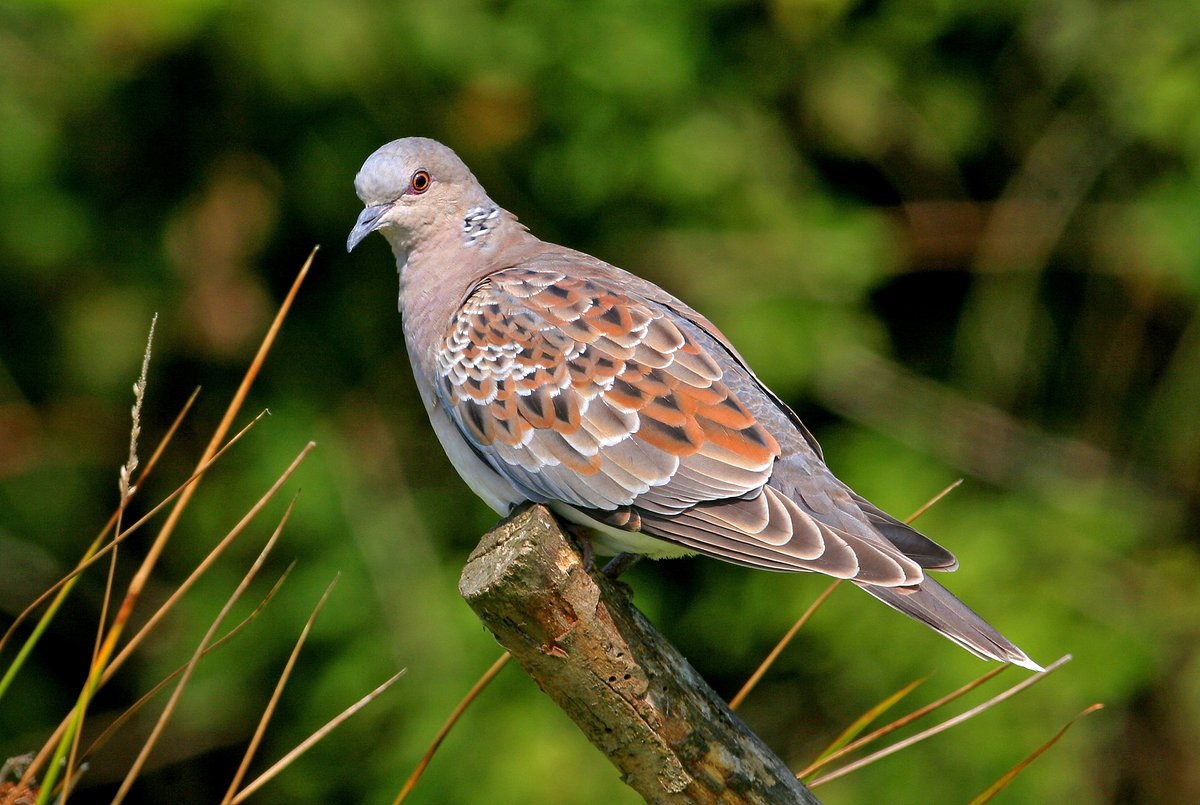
[(551, 376)]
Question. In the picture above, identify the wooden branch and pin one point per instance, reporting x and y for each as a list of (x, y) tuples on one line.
[(631, 692)]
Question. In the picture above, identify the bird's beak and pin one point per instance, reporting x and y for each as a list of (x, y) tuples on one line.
[(368, 221)]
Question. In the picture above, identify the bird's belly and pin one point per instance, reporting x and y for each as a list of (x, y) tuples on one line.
[(607, 540), (497, 492)]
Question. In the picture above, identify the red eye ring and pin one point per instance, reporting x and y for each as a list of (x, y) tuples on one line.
[(420, 182)]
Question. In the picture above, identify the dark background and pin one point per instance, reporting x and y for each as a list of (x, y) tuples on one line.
[(959, 237)]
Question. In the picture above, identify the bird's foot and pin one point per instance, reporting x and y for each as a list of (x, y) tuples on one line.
[(583, 540), (620, 563)]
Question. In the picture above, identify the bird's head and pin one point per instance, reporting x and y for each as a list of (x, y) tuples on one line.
[(412, 188)]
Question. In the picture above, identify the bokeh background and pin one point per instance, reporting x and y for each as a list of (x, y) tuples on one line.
[(960, 237)]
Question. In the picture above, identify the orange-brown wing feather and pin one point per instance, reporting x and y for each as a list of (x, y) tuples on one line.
[(593, 398), (582, 394)]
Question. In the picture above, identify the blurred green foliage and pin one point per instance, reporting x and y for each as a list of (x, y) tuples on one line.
[(959, 237)]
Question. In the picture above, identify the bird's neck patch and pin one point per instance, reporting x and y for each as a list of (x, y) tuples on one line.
[(477, 223)]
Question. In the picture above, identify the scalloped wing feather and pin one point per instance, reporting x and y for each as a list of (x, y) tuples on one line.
[(586, 395)]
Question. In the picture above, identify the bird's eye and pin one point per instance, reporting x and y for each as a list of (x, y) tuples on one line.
[(419, 182)]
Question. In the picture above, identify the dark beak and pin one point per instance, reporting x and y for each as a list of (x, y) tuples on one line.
[(368, 221)]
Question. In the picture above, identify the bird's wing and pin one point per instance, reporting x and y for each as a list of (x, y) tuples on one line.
[(580, 393), (915, 545)]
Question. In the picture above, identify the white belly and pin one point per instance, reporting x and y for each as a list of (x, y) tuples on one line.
[(497, 492), (609, 541)]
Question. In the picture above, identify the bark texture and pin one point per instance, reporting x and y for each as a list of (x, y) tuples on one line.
[(631, 692)]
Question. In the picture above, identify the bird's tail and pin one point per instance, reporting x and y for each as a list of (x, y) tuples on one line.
[(935, 606)]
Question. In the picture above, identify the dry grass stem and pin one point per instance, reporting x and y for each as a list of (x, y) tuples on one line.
[(126, 488), (942, 727), (206, 563), (116, 662), (1010, 775), (100, 624), (199, 652), (133, 709), (231, 412), (269, 710), (903, 721), (929, 504), (141, 576), (862, 722), (472, 694), (313, 739), (93, 555), (44, 621), (766, 664)]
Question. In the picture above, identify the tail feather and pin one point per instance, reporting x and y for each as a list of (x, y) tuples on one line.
[(935, 606), (912, 543)]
